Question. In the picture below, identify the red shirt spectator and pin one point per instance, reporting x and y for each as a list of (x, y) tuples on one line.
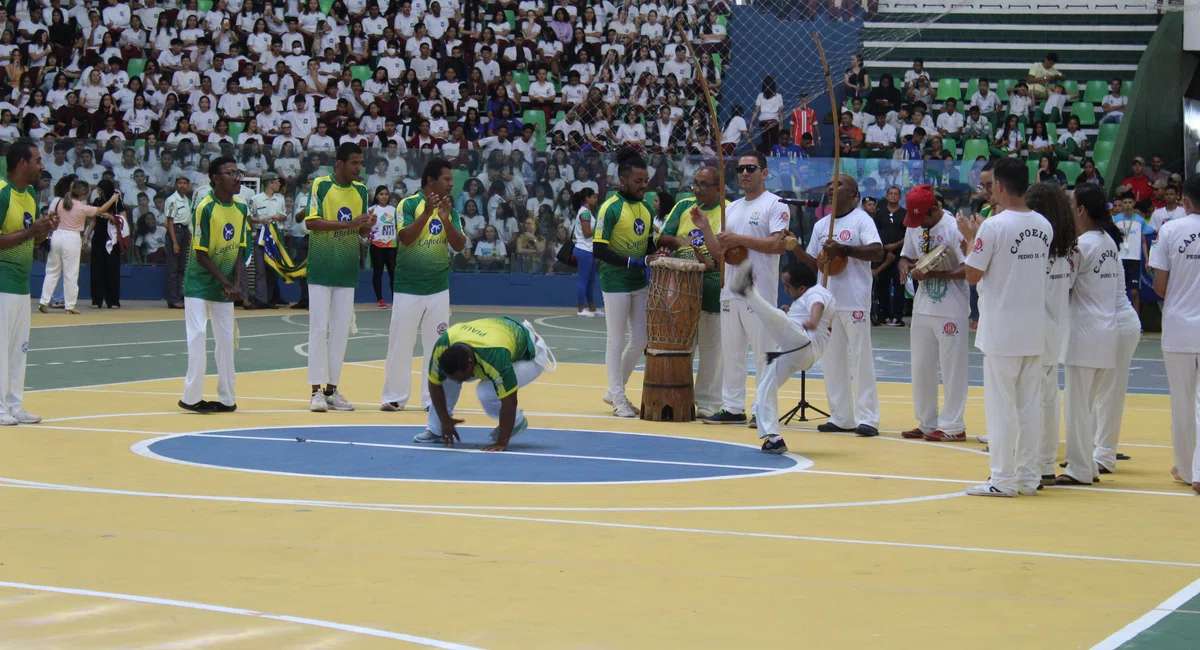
[(1139, 183)]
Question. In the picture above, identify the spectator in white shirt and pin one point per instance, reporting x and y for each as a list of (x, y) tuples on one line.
[(1019, 101), (1113, 104), (424, 65), (303, 119), (950, 121), (487, 67), (987, 101), (1170, 211), (879, 140)]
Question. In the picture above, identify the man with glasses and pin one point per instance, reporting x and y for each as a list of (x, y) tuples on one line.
[(757, 222), (212, 284)]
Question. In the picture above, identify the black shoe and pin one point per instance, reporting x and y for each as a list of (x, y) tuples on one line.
[(279, 301), (753, 422), (266, 305), (725, 417), (778, 447), (1122, 457), (300, 305), (218, 407), (830, 427), (866, 431), (199, 407)]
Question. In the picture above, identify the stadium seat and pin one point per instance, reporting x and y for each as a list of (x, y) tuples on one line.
[(560, 116), (235, 130), (522, 79), (1032, 165), (1095, 92), (1103, 151), (717, 61), (325, 6), (975, 148), (684, 195), (136, 67), (1052, 132), (649, 199), (971, 89), (1126, 88), (512, 19), (1071, 86), (204, 6), (951, 145), (1108, 132), (361, 72), (721, 20), (1102, 169), (1071, 170), (1002, 87), (535, 117), (948, 88), (1086, 112), (460, 179)]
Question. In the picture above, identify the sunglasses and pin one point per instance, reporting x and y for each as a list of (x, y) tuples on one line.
[(747, 169)]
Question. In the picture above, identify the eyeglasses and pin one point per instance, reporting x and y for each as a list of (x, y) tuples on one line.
[(236, 174), (747, 169)]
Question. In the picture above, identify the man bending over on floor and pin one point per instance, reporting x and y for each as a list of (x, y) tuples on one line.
[(505, 354), (800, 335)]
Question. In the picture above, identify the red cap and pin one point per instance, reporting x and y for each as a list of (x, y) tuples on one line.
[(920, 201)]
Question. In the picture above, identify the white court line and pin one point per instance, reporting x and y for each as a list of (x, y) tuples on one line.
[(140, 343), (1120, 637), (312, 622)]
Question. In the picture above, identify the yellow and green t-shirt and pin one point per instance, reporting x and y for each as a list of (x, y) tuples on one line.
[(626, 227), (333, 255), (18, 210), (423, 267), (220, 231), (498, 344), (680, 221)]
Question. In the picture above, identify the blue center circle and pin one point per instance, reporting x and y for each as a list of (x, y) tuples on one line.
[(537, 455)]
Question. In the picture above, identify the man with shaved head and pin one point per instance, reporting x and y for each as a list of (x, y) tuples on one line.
[(856, 242), (690, 231)]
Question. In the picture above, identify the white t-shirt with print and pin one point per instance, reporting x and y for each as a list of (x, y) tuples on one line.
[(1098, 277), (801, 311), (762, 217), (1060, 273), (1178, 252), (937, 297), (1012, 249), (850, 288), (1163, 215)]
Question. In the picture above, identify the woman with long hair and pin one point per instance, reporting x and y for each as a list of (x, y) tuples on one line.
[(1092, 345), (383, 242), (1048, 171), (769, 110), (1089, 200), (1010, 139), (585, 202), (70, 205), (109, 235)]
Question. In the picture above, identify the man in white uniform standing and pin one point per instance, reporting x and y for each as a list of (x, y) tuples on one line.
[(1176, 261), (1008, 256), (758, 222), (856, 240), (938, 332)]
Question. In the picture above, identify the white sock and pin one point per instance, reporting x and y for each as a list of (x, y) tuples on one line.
[(775, 438)]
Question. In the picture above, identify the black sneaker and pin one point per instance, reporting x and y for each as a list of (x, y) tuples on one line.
[(777, 447), (300, 305), (725, 417), (866, 431), (221, 408), (753, 422), (830, 427), (199, 407)]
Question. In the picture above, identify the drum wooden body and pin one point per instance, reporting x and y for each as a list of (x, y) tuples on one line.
[(673, 304), (668, 394), (940, 258)]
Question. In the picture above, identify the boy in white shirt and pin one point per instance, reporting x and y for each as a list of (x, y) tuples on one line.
[(986, 100), (1113, 104), (1170, 211)]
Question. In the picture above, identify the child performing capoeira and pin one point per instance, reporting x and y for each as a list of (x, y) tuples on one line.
[(800, 336)]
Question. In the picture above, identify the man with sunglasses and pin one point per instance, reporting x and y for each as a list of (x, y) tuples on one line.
[(757, 222)]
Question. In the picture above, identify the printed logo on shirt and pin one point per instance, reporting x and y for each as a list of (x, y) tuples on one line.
[(1028, 233), (28, 220), (639, 227), (753, 219), (844, 235), (978, 244), (25, 347), (344, 215), (935, 288), (441, 329), (725, 306), (697, 237), (227, 232), (940, 239), (858, 316), (435, 226), (950, 329)]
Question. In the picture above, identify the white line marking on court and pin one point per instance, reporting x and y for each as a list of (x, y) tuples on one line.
[(109, 345), (1120, 637), (312, 622)]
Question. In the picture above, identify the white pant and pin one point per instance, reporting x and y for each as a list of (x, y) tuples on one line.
[(330, 310), (1183, 371), (432, 315), (1112, 402), (708, 374), (14, 346), (196, 315), (526, 372), (1011, 403), (850, 353), (63, 261), (1049, 431), (936, 341), (1081, 404), (786, 335), (624, 313), (740, 326)]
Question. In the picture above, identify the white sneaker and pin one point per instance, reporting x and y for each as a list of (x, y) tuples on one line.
[(427, 436), (7, 420), (338, 403), (517, 428), (989, 490), (586, 314), (598, 312), (1028, 491), (623, 409), (318, 403), (983, 439), (703, 413), (608, 398), (24, 417)]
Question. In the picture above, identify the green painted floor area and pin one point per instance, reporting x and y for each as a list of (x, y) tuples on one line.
[(1179, 630)]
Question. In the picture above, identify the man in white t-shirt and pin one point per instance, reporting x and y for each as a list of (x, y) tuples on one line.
[(856, 241), (1170, 211), (1113, 104), (1007, 261), (1176, 261), (758, 222), (799, 336), (939, 331)]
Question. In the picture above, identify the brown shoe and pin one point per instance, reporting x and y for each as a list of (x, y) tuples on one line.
[(942, 436), (913, 434)]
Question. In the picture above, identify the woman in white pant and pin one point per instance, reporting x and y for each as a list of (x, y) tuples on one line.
[(1091, 361), (67, 240)]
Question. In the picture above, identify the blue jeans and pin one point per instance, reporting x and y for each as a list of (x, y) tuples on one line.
[(586, 281), (1112, 118)]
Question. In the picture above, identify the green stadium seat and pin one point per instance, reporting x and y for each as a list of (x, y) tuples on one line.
[(1086, 112), (1108, 132), (717, 61), (1102, 169), (1032, 165), (235, 130), (721, 20), (361, 72), (684, 195), (325, 6), (560, 116), (1071, 170), (1095, 92), (649, 199), (1071, 86), (512, 19), (139, 145), (1103, 151), (538, 119), (136, 67), (975, 148), (522, 79), (951, 145), (460, 179), (1052, 132), (1126, 88), (204, 6), (948, 88), (972, 88), (1002, 87)]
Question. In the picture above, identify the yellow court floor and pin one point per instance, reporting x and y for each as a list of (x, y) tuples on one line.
[(287, 529)]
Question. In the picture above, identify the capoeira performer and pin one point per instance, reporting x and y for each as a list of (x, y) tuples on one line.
[(1176, 263), (938, 333), (800, 337), (500, 352)]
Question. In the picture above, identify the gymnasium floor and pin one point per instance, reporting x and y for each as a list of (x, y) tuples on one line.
[(128, 523)]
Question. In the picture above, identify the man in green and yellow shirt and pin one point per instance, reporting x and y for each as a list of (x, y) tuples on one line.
[(20, 231), (212, 283), (429, 229), (337, 218), (691, 231), (504, 356)]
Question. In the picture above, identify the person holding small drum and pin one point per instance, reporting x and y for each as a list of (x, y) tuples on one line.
[(938, 334)]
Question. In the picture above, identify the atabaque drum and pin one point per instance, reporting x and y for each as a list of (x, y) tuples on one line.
[(673, 304)]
